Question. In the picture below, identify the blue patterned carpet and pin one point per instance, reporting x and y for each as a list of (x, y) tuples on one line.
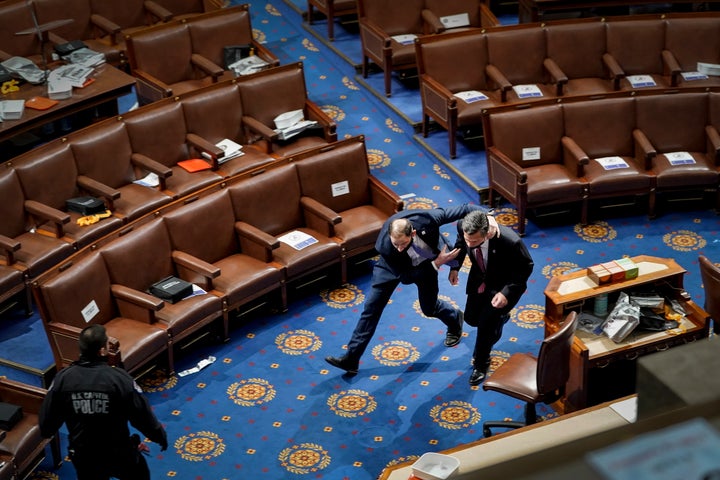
[(270, 408)]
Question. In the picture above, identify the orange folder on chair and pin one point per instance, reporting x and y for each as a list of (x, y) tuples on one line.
[(195, 165)]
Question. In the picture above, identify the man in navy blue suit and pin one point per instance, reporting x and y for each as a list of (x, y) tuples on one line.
[(500, 267), (411, 249)]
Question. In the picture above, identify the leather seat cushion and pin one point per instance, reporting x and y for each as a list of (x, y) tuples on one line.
[(552, 183), (360, 226), (242, 276), (298, 262), (189, 314)]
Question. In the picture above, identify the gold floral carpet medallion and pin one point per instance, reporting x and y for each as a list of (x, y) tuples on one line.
[(304, 458), (199, 446), (455, 414), (395, 353), (298, 342), (251, 392), (352, 403)]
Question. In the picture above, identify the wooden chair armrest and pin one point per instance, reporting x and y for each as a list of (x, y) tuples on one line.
[(671, 67), (158, 11), (431, 22), (713, 143), (614, 69), (47, 213), (265, 53), (319, 217), (557, 76), (184, 261), (106, 26), (386, 200), (147, 163), (314, 112), (135, 304), (500, 80), (255, 242), (574, 157), (644, 149), (10, 246), (98, 189), (507, 177), (259, 129), (206, 148), (209, 67)]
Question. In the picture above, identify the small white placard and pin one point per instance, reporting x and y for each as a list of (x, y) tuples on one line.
[(688, 76), (527, 91), (470, 96), (639, 81), (405, 39), (531, 153), (679, 158), (455, 21), (612, 163), (297, 239), (340, 188), (90, 310)]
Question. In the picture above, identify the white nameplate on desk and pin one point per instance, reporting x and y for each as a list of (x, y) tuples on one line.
[(612, 163), (471, 96), (639, 81), (527, 91), (688, 76), (680, 158), (406, 39)]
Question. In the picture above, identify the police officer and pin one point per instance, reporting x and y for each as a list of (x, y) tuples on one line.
[(97, 401)]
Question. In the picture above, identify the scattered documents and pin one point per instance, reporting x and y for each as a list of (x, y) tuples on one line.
[(291, 123), (24, 68), (248, 65), (689, 76), (297, 239), (231, 149), (527, 91), (471, 96), (75, 75), (640, 81), (150, 180), (612, 163), (200, 365), (85, 57)]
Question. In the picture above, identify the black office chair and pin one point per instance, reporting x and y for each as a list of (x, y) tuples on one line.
[(533, 379), (710, 274)]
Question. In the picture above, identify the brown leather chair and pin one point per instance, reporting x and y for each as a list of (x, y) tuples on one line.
[(144, 256), (114, 21), (7, 468), (81, 27), (55, 161), (437, 59), (534, 379), (225, 122), (436, 10), (605, 128), (516, 56), (380, 20), (189, 8), (21, 217), (668, 124), (162, 60), (261, 104), (339, 178), (277, 190), (637, 47), (331, 9), (79, 293), (12, 282), (23, 443), (167, 119), (710, 274), (692, 40), (575, 49), (528, 161), (107, 167), (245, 273), (16, 16)]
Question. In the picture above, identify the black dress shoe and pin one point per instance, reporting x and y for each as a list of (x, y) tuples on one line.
[(452, 338), (476, 377), (343, 363)]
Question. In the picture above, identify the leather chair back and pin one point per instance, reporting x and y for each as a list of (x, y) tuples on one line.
[(162, 51), (225, 121), (683, 124), (553, 368), (577, 48), (542, 127), (394, 17), (710, 274), (167, 121), (259, 92), (602, 128), (437, 58), (15, 16), (443, 8), (12, 210), (126, 14), (637, 45), (519, 54), (693, 40), (211, 32), (78, 10), (104, 154)]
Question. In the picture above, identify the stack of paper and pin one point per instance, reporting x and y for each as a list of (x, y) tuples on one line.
[(709, 69), (11, 109), (232, 150), (248, 65), (85, 57), (291, 123), (75, 75)]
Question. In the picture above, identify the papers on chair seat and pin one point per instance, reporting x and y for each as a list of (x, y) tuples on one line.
[(455, 21), (688, 76), (231, 149), (712, 69), (405, 39), (291, 123), (248, 65), (297, 239), (470, 96), (612, 163), (527, 91), (639, 81), (150, 180), (679, 158)]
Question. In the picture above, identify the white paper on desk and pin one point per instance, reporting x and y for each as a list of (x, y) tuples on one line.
[(406, 39), (297, 239), (688, 450), (626, 408), (679, 158), (612, 163), (688, 76), (527, 91), (471, 96), (149, 180), (639, 81)]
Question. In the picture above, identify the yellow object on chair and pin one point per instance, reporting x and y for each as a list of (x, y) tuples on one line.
[(90, 219)]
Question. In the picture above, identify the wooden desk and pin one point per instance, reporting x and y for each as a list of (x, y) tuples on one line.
[(592, 354), (110, 84), (533, 10)]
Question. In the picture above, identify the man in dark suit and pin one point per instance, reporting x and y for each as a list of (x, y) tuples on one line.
[(500, 268), (411, 249)]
